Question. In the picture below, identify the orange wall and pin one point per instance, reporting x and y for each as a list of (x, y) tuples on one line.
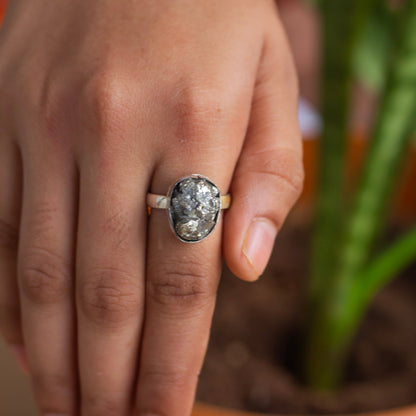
[(2, 9), (3, 4)]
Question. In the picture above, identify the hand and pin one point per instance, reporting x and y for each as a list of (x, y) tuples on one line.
[(101, 102)]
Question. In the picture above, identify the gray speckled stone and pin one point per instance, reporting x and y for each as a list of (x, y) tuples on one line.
[(194, 208)]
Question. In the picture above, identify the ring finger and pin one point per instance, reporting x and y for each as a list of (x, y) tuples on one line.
[(181, 288)]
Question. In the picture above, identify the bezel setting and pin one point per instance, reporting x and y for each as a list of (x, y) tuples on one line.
[(194, 208)]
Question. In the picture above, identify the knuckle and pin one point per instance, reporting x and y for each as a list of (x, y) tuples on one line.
[(8, 237), (46, 382), (180, 284), (52, 391), (193, 102), (283, 165), (44, 276), (109, 296), (94, 405), (108, 100), (198, 111), (166, 379)]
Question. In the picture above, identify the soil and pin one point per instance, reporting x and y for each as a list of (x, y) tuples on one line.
[(256, 339)]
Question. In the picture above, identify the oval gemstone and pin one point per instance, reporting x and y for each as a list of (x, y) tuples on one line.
[(194, 208)]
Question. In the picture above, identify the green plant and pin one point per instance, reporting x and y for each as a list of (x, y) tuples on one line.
[(347, 271)]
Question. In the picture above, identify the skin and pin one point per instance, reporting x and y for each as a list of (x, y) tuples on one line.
[(100, 103)]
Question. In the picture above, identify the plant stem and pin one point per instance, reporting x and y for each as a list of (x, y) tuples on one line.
[(382, 270), (342, 23), (337, 318), (335, 102)]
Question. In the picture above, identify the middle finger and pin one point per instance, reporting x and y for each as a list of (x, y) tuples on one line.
[(110, 276)]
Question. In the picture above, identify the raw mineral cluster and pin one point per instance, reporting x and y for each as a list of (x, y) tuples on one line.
[(194, 208)]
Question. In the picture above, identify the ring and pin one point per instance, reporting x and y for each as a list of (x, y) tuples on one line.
[(194, 204)]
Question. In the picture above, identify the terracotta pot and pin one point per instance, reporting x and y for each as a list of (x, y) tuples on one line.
[(205, 410)]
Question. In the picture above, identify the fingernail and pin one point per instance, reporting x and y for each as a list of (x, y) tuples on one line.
[(258, 243), (19, 353)]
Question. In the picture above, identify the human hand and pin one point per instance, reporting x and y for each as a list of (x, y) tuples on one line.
[(100, 103)]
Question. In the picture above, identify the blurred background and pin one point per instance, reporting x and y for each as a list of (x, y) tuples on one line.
[(303, 28)]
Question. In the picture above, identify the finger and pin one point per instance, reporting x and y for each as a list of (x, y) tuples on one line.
[(45, 271), (10, 204), (181, 286), (110, 279), (269, 175)]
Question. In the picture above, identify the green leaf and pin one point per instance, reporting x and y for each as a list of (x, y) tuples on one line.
[(372, 53)]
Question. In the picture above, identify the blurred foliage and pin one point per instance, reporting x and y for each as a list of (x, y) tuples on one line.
[(370, 59), (373, 42)]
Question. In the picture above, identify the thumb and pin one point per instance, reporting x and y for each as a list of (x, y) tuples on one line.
[(268, 177)]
